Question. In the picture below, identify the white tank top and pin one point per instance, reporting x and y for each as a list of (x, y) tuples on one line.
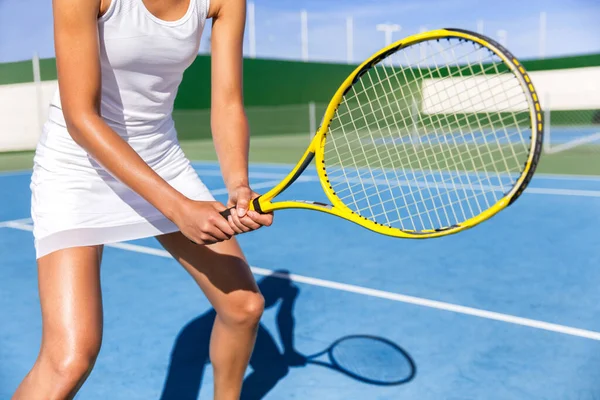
[(142, 60)]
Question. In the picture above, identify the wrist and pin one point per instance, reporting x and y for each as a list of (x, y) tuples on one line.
[(173, 205), (237, 182)]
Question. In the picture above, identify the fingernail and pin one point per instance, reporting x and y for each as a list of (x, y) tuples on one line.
[(241, 212)]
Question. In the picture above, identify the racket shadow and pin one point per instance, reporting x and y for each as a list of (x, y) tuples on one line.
[(269, 364), (368, 359)]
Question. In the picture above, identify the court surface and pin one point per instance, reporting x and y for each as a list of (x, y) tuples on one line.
[(507, 310)]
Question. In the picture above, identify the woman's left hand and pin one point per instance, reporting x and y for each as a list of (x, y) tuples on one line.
[(241, 219)]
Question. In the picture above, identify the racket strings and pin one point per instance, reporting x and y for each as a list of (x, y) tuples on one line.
[(458, 119), (445, 136), (429, 185), (381, 174), (402, 145), (481, 96), (388, 78), (442, 183), (442, 138), (479, 154)]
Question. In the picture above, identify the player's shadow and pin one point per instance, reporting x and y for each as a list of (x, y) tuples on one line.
[(190, 354)]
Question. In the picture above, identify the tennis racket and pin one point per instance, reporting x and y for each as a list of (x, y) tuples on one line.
[(432, 135), (369, 359)]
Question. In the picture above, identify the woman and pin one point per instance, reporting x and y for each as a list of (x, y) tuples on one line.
[(109, 168)]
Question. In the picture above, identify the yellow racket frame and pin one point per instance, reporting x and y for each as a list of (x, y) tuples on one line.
[(316, 149)]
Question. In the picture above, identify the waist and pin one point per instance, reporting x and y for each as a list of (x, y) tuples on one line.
[(57, 147), (125, 125)]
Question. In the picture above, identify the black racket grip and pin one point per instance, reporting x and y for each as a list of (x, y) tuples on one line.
[(227, 213), (255, 206)]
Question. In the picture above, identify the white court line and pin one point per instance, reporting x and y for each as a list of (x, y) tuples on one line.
[(216, 192), (315, 178), (17, 225), (262, 185), (8, 224), (563, 192), (344, 287), (251, 174), (260, 175), (252, 164), (567, 177), (538, 175)]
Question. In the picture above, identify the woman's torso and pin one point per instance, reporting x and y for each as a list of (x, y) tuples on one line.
[(142, 61)]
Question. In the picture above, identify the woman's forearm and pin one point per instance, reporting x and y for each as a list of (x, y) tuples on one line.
[(123, 162), (231, 138)]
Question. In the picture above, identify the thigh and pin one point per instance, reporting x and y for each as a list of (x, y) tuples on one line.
[(220, 269), (71, 301)]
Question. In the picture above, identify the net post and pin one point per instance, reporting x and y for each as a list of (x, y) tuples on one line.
[(502, 37), (480, 26), (252, 29), (542, 37), (388, 30), (304, 34), (349, 40), (312, 119), (37, 79), (422, 47)]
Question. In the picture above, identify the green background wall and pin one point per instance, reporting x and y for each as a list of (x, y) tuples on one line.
[(266, 83), (270, 83)]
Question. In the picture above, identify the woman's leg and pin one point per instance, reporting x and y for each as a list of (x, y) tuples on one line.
[(224, 276), (71, 302)]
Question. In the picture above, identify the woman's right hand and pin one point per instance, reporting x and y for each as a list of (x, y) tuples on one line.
[(201, 222)]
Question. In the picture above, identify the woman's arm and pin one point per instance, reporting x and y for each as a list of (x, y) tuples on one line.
[(78, 64), (228, 118)]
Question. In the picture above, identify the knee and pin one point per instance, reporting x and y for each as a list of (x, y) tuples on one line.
[(72, 365), (75, 367), (243, 309)]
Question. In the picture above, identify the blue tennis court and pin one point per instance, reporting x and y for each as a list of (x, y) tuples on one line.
[(507, 310)]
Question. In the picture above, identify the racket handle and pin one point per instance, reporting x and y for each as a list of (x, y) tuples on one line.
[(254, 206), (227, 213)]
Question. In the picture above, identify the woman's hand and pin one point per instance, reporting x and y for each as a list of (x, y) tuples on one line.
[(201, 222), (241, 219)]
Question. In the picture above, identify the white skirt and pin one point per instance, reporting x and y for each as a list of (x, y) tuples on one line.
[(76, 202)]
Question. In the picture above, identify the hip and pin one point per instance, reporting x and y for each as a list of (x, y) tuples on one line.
[(57, 153)]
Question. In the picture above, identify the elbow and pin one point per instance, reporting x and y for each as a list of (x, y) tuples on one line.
[(79, 124)]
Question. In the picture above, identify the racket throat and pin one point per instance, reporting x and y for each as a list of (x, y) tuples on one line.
[(256, 205), (315, 203), (299, 169)]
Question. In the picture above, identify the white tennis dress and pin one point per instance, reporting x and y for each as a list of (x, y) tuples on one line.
[(76, 202)]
